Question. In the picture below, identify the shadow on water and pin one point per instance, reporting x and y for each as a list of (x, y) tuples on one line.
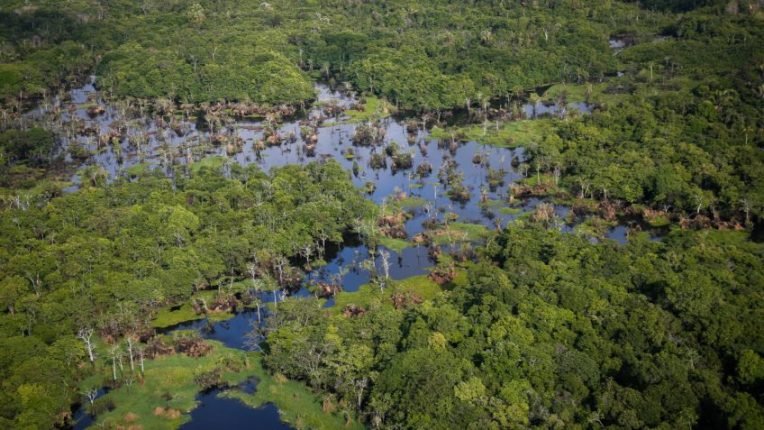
[(757, 235)]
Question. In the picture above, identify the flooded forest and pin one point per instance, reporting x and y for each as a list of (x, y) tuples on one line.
[(330, 214)]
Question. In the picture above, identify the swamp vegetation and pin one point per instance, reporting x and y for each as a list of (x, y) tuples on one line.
[(398, 214)]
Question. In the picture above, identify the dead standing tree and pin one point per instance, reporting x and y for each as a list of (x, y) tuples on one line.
[(86, 335), (385, 260)]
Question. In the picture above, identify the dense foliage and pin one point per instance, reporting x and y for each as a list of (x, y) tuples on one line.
[(550, 330), (540, 329), (422, 55), (106, 258), (678, 130), (428, 55), (34, 146), (683, 151)]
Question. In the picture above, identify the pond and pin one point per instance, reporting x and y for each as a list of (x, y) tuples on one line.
[(215, 411)]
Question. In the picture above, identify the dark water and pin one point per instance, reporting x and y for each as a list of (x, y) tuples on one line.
[(160, 146), (82, 419), (232, 332), (217, 412)]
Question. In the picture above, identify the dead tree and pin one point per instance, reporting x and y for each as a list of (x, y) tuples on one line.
[(86, 335)]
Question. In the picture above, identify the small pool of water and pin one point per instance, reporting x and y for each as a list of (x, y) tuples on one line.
[(218, 412), (81, 418)]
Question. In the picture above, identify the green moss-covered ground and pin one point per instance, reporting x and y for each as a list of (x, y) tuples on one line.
[(393, 244), (369, 294), (459, 232), (510, 210), (170, 316), (214, 162)]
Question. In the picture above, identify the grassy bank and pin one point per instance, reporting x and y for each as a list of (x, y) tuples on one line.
[(298, 406), (166, 394), (374, 108)]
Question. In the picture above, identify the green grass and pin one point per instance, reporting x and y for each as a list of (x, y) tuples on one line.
[(460, 232), (214, 162), (392, 244), (422, 285), (368, 295), (173, 375), (472, 231), (375, 108), (658, 221), (509, 135), (508, 210), (137, 169), (578, 93), (491, 203), (412, 202), (298, 405), (167, 317)]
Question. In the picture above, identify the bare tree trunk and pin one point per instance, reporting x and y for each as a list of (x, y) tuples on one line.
[(253, 273), (114, 351), (85, 335), (130, 351), (385, 266), (91, 394)]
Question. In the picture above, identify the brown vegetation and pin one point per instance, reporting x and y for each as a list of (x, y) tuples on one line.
[(393, 225), (405, 300)]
